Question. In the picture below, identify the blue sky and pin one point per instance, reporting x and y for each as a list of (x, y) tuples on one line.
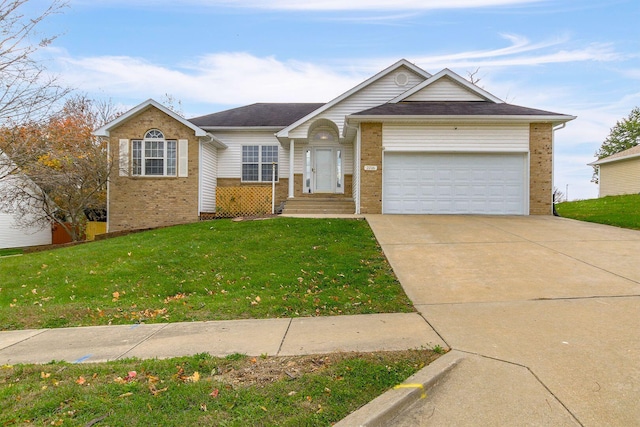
[(578, 57)]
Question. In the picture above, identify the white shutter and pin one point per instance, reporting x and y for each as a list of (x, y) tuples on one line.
[(124, 157), (183, 158)]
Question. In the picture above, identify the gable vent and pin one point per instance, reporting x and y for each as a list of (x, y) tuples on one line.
[(402, 79)]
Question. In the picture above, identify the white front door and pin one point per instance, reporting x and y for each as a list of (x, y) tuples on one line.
[(323, 170)]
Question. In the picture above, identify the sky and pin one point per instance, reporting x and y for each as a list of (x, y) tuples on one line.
[(576, 57)]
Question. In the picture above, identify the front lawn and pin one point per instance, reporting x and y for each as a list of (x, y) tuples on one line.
[(281, 267), (202, 390), (621, 211)]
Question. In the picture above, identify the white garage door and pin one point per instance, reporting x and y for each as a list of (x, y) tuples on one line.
[(421, 183)]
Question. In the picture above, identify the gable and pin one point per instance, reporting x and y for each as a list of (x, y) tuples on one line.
[(149, 104), (444, 89), (384, 86), (446, 80)]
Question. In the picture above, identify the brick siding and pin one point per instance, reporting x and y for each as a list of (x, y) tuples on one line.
[(371, 181), (144, 202), (540, 169)]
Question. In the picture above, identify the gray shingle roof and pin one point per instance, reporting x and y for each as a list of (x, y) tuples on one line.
[(452, 108), (256, 115), (629, 152)]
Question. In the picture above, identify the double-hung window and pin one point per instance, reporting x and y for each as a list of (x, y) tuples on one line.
[(154, 155), (259, 162)]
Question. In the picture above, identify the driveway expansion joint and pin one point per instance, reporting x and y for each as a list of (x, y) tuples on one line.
[(537, 378), (434, 329)]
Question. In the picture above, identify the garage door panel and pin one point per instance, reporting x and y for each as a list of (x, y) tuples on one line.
[(454, 183)]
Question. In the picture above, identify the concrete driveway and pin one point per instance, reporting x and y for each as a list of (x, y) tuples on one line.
[(547, 310)]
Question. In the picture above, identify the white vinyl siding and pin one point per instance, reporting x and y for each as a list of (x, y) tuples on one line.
[(375, 94), (230, 159), (621, 177), (455, 183), (208, 181), (12, 236), (455, 137), (444, 89)]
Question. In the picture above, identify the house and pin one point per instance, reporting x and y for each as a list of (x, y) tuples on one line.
[(619, 173), (15, 231), (402, 142)]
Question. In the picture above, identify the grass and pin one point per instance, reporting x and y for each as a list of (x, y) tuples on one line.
[(10, 252), (620, 211), (281, 267), (202, 390)]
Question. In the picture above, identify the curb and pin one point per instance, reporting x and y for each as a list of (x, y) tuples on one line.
[(382, 410)]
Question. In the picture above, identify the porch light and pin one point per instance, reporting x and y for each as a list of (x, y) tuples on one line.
[(323, 135)]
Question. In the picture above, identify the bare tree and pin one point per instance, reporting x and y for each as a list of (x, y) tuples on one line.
[(473, 76), (172, 103), (25, 90)]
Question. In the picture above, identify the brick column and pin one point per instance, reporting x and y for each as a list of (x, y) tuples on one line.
[(371, 181), (540, 169)]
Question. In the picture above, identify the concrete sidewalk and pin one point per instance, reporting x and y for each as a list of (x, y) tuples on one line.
[(274, 337)]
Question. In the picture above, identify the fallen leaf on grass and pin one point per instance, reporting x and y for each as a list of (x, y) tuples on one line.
[(187, 378), (130, 376), (193, 378), (81, 381), (44, 375), (214, 393), (176, 297), (203, 407), (154, 391), (126, 394)]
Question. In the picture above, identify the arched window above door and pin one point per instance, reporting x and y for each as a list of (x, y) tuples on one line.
[(324, 135)]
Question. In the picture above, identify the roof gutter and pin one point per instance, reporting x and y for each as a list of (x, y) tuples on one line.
[(560, 119)]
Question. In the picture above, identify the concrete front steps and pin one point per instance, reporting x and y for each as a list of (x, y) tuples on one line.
[(319, 205)]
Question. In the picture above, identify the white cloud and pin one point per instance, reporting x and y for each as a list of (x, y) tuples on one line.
[(222, 78), (238, 78)]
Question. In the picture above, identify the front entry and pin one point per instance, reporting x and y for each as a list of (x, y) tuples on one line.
[(324, 170)]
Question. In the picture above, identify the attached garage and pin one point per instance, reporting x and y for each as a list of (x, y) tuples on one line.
[(455, 183)]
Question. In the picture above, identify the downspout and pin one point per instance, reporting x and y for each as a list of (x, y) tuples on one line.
[(292, 159), (109, 181), (200, 142), (356, 171)]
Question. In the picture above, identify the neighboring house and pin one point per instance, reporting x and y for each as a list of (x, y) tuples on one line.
[(619, 173), (12, 233), (403, 141)]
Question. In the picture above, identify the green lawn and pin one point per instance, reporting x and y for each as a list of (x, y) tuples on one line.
[(202, 390), (281, 267), (621, 211)]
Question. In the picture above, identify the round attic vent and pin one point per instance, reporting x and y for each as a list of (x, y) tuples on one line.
[(402, 79)]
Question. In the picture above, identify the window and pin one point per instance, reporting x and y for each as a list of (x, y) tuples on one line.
[(258, 163), (153, 155)]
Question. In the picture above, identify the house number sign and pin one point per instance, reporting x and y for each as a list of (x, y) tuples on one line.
[(370, 167)]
